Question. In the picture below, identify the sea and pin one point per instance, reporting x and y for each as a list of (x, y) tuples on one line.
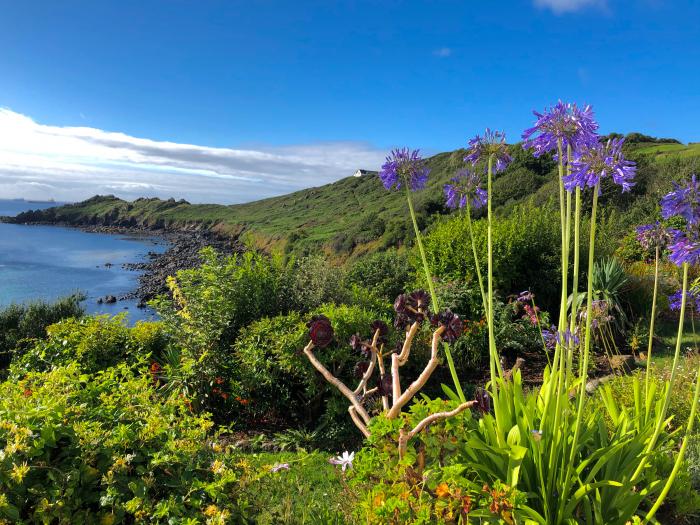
[(48, 262)]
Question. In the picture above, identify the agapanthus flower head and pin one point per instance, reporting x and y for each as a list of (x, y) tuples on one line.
[(404, 167), (320, 331), (692, 300), (551, 337), (683, 201), (483, 400), (654, 235), (600, 313), (491, 145), (465, 188), (595, 161), (567, 123), (685, 247)]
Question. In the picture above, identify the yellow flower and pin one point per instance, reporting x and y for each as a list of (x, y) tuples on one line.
[(442, 490), (217, 467), (211, 510), (19, 472)]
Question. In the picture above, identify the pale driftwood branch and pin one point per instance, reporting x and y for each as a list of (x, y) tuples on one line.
[(406, 349), (358, 421), (395, 379), (382, 373), (405, 436), (370, 368), (414, 387), (398, 360), (349, 394)]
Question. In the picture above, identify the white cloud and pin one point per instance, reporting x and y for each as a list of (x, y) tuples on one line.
[(568, 6), (70, 163), (442, 52)]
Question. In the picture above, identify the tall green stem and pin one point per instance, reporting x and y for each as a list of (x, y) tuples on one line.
[(433, 295), (476, 259), (574, 284), (681, 453), (660, 418), (495, 364), (651, 332), (583, 372)]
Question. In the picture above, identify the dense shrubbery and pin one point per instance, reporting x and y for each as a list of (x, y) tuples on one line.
[(20, 323)]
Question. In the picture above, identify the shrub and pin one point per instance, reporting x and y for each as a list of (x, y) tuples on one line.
[(386, 274), (276, 381), (315, 281), (107, 449), (21, 322), (94, 343)]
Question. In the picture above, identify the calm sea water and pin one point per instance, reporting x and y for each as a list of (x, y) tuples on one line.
[(47, 262)]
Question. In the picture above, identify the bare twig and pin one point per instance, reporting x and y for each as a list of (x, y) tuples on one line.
[(402, 399), (349, 394), (405, 436), (370, 368), (358, 421)]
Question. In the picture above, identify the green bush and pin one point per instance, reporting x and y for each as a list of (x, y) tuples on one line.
[(19, 323), (385, 274), (278, 383), (107, 449), (94, 343)]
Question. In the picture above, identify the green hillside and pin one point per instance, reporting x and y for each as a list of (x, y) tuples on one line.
[(356, 214)]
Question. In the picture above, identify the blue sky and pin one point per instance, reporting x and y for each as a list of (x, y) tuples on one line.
[(292, 81)]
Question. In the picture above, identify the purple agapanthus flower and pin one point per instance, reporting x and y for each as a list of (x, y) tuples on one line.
[(465, 187), (491, 145), (597, 160), (552, 337), (654, 235), (683, 201), (404, 167), (526, 296), (567, 123), (692, 299), (685, 247)]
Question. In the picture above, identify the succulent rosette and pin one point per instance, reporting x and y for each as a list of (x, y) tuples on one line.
[(404, 167), (320, 331), (451, 322), (492, 145), (563, 123)]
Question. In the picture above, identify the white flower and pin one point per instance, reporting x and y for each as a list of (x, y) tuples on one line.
[(345, 460), (279, 466)]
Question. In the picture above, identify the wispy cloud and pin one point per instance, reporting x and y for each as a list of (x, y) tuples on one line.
[(442, 52), (70, 163), (568, 6)]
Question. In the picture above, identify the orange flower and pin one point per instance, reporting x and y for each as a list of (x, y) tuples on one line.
[(219, 380), (442, 490), (27, 392)]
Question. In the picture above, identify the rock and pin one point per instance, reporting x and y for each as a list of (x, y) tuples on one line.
[(100, 301), (108, 265), (110, 299)]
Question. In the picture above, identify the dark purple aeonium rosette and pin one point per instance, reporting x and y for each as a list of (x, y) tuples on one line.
[(491, 145), (596, 161), (452, 323), (411, 307), (465, 188), (320, 331), (573, 126), (684, 201), (404, 167), (655, 235)]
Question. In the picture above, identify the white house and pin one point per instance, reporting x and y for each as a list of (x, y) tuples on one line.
[(360, 173)]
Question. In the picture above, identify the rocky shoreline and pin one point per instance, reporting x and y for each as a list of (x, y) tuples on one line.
[(182, 253)]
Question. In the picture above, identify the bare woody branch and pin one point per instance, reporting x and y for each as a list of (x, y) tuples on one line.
[(370, 368), (358, 421), (405, 397)]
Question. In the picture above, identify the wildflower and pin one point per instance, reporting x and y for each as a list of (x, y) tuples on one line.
[(19, 472), (526, 297), (404, 167), (531, 314), (279, 466), (452, 323), (442, 490), (320, 331), (685, 247), (345, 460), (683, 201), (567, 123), (595, 161), (492, 145), (655, 235), (465, 187), (218, 466), (551, 337)]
